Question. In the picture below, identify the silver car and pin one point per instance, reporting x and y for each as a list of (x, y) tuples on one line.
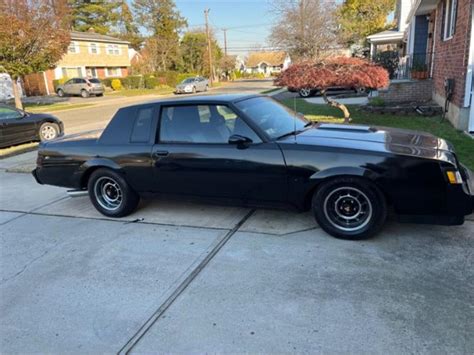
[(192, 85), (81, 86)]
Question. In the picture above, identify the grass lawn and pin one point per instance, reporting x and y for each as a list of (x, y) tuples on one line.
[(139, 92), (17, 149), (463, 144), (35, 108)]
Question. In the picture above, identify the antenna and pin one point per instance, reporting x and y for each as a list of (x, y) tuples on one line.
[(296, 114)]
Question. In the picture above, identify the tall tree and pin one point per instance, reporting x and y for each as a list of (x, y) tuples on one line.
[(164, 21), (98, 15), (361, 18), (193, 48), (304, 28), (127, 28), (34, 35)]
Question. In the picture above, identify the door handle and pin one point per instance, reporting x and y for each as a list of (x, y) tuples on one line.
[(160, 153)]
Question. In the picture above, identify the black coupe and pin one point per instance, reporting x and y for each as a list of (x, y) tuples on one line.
[(251, 150), (17, 126)]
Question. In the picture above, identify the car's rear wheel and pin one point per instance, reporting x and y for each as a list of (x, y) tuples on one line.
[(305, 92), (99, 95), (84, 93), (349, 208), (60, 93), (110, 194), (48, 131)]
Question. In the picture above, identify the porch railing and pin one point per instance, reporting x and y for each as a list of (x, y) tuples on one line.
[(416, 66)]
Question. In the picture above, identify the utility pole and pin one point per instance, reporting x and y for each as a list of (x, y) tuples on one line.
[(209, 48), (225, 41)]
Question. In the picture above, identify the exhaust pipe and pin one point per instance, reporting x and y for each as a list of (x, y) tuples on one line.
[(77, 193)]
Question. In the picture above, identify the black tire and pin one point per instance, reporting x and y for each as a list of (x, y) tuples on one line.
[(111, 184), (84, 93), (48, 131), (206, 88), (305, 93), (99, 95), (194, 89), (60, 93), (349, 208)]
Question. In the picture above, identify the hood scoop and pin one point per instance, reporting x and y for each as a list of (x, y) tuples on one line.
[(346, 128)]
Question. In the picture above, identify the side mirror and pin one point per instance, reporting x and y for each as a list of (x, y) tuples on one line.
[(238, 139)]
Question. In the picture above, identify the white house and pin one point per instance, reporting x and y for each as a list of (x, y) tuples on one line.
[(267, 63)]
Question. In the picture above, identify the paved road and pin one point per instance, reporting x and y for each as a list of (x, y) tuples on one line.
[(197, 278), (90, 118)]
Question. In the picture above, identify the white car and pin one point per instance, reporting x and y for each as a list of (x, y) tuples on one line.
[(192, 85)]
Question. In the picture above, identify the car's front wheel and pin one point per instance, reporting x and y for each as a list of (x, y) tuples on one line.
[(194, 89), (60, 93), (48, 131), (110, 194), (84, 93), (305, 92), (349, 208)]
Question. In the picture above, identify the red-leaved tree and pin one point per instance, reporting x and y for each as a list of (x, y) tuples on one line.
[(331, 72)]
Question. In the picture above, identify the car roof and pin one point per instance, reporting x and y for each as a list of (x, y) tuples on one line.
[(222, 98)]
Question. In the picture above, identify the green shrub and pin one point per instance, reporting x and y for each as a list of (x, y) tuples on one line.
[(58, 82), (172, 78), (116, 84), (377, 101), (133, 82), (107, 82), (150, 82)]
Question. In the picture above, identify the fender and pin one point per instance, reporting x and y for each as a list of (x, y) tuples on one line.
[(90, 165), (344, 170)]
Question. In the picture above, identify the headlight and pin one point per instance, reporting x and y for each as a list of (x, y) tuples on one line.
[(454, 177), (188, 87)]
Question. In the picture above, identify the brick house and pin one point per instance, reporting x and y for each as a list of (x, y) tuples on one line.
[(89, 55), (444, 28)]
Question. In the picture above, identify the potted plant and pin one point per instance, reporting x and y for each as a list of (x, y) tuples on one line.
[(419, 70)]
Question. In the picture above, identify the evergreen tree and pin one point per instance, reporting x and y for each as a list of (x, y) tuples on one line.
[(164, 21), (127, 28), (101, 16)]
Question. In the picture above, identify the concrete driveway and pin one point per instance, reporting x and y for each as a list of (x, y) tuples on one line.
[(189, 277)]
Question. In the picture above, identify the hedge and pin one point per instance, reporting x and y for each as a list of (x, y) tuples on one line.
[(58, 82)]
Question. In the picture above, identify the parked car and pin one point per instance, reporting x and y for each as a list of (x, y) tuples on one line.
[(81, 86), (17, 126), (308, 92), (192, 85), (251, 150)]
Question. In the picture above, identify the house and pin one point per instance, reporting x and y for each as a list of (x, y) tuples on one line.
[(436, 55), (267, 63), (440, 40), (392, 39), (89, 55)]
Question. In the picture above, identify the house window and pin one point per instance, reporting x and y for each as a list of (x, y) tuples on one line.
[(93, 48), (113, 72), (450, 7), (113, 49), (73, 47)]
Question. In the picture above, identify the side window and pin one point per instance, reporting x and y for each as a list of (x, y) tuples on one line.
[(142, 126), (202, 124), (7, 113)]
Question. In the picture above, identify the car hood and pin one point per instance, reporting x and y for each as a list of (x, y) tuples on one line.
[(379, 139)]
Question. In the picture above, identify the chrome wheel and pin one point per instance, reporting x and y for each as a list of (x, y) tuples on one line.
[(48, 132), (305, 92), (108, 193), (348, 209)]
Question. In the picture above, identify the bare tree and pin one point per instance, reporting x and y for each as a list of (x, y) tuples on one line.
[(304, 28)]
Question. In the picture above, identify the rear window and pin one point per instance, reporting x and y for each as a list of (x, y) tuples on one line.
[(142, 126), (94, 81)]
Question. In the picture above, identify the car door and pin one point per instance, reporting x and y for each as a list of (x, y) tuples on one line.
[(15, 127), (193, 156), (69, 87)]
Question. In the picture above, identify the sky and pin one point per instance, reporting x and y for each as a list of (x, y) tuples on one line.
[(248, 22)]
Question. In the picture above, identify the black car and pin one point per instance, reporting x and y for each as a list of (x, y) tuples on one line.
[(17, 126), (251, 150)]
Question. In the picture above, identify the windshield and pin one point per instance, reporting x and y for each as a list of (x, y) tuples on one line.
[(94, 81), (272, 117), (187, 81)]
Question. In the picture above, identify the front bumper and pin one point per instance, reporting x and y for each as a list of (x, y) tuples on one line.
[(35, 175), (183, 90)]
